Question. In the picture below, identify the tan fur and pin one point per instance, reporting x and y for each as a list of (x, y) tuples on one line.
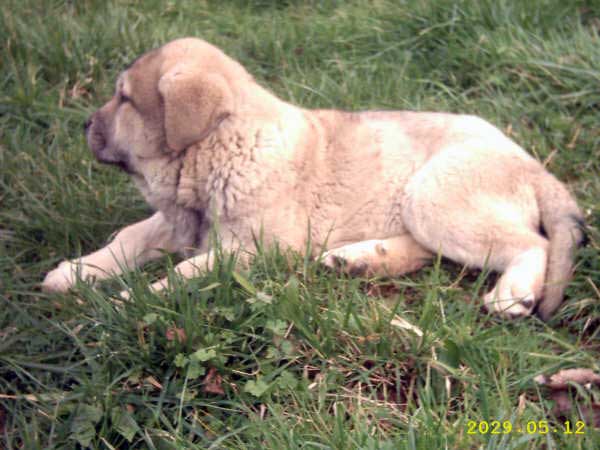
[(384, 191)]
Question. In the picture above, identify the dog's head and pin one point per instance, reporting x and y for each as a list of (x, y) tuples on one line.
[(165, 101)]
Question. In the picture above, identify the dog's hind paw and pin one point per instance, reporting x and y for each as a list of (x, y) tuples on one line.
[(340, 260), (509, 308)]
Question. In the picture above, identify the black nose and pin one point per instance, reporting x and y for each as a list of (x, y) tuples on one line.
[(87, 124)]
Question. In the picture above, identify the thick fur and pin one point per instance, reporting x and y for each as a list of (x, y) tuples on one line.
[(383, 191)]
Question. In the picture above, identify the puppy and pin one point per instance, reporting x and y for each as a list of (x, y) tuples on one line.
[(385, 191)]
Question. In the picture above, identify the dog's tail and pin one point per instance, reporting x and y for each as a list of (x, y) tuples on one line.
[(563, 223)]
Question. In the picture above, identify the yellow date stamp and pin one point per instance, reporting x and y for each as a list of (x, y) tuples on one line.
[(530, 427)]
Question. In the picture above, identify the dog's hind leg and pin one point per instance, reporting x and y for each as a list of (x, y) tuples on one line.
[(482, 212), (379, 257)]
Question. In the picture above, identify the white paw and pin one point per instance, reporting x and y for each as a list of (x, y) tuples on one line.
[(125, 294), (60, 279), (509, 307), (119, 299), (342, 259), (332, 259), (159, 286)]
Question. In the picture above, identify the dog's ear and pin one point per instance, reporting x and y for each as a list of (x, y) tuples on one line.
[(194, 104)]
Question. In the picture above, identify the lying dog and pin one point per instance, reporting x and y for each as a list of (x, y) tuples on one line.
[(384, 190)]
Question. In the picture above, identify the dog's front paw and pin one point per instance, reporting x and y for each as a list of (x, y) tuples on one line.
[(60, 279), (121, 298), (125, 294)]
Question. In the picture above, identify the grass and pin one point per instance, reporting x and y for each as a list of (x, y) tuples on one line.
[(286, 354)]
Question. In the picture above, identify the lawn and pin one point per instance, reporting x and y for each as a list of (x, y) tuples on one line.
[(286, 354)]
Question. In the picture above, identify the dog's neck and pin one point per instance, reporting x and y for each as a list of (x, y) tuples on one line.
[(222, 172)]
